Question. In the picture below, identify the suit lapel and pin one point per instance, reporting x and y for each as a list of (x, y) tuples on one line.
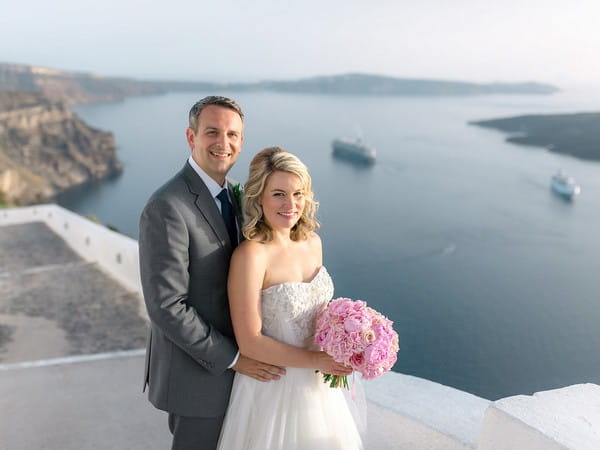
[(206, 204)]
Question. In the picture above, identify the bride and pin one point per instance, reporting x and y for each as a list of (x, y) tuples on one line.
[(277, 287)]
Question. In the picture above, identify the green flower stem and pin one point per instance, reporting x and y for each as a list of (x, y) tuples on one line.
[(335, 381)]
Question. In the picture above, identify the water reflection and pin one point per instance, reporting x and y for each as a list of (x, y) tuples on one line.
[(360, 164)]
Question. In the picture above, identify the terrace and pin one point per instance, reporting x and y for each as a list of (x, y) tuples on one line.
[(72, 333)]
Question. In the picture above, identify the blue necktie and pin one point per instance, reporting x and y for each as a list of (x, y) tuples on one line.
[(228, 217)]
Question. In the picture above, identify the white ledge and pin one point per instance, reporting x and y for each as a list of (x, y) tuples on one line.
[(443, 409), (567, 418)]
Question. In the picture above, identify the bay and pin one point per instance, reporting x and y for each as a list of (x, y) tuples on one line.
[(490, 279)]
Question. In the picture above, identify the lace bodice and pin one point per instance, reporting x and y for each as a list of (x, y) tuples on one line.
[(289, 309)]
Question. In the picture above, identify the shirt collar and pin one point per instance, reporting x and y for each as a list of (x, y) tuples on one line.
[(213, 187)]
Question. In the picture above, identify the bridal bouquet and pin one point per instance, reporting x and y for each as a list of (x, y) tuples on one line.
[(357, 335)]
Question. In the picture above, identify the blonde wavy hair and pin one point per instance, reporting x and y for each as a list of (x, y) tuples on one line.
[(263, 164)]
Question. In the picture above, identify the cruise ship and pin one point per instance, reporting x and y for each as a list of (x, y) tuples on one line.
[(565, 186), (354, 150)]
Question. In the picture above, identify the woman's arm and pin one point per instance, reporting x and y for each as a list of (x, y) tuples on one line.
[(246, 274)]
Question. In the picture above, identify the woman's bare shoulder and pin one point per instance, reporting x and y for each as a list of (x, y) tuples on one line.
[(248, 266), (250, 251), (315, 247), (314, 240)]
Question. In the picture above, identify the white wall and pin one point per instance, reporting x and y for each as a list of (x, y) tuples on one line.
[(502, 431), (451, 416), (566, 418), (115, 253)]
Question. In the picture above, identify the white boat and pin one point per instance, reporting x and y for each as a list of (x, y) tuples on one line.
[(564, 185), (355, 150)]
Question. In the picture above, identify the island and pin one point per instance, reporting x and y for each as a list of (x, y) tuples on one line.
[(379, 85), (46, 149), (78, 87), (572, 134)]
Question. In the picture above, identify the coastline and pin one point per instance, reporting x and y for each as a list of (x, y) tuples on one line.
[(574, 134)]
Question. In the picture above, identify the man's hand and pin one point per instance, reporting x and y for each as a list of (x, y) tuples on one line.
[(257, 370)]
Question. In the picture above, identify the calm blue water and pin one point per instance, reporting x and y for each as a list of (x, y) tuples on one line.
[(491, 280)]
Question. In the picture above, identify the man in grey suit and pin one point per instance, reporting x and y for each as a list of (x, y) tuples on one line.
[(187, 234)]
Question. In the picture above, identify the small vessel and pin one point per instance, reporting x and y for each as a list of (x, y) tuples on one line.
[(354, 150), (564, 185)]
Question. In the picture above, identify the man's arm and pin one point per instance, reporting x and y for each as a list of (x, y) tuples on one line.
[(257, 370), (163, 247)]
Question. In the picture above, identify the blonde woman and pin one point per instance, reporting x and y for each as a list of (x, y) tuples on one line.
[(277, 286)]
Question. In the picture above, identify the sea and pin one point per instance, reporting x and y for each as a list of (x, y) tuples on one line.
[(492, 281)]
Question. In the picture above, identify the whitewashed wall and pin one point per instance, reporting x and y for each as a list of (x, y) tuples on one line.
[(566, 418), (115, 253), (450, 417)]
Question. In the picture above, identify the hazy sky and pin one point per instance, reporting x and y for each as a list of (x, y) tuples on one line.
[(556, 41)]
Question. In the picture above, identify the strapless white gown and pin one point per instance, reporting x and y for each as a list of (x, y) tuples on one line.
[(298, 411)]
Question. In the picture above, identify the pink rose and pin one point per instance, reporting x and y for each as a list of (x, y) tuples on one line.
[(368, 337), (357, 361)]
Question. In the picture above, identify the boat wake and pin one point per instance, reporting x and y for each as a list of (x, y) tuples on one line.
[(448, 250)]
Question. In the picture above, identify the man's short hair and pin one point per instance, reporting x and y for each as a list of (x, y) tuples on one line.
[(212, 100)]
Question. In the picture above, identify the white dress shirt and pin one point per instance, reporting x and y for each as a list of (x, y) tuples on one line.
[(213, 187)]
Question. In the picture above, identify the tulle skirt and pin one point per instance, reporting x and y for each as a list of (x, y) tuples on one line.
[(296, 412)]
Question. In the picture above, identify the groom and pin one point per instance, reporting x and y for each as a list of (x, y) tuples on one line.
[(188, 231)]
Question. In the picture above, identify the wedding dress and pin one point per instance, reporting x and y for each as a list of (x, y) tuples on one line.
[(298, 411)]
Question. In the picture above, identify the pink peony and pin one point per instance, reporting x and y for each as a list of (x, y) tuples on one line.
[(321, 337), (376, 355), (357, 321)]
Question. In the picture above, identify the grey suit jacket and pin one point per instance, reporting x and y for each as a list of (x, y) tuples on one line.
[(184, 261)]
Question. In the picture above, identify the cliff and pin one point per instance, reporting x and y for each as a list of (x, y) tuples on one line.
[(46, 149), (572, 134), (72, 87)]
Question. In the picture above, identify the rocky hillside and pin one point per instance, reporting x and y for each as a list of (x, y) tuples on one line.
[(46, 149), (72, 87)]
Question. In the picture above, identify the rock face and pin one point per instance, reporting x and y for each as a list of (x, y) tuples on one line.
[(46, 149), (72, 87)]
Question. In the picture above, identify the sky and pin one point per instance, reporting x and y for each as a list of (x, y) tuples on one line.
[(553, 41)]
